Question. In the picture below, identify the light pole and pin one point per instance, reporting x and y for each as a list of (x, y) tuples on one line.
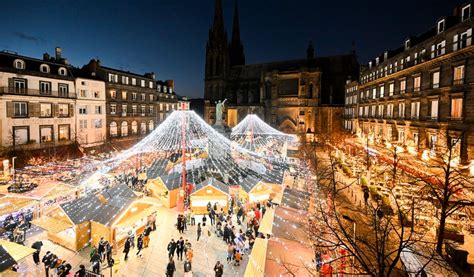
[(13, 168), (354, 226)]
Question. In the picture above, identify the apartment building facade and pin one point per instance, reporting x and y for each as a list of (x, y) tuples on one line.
[(420, 95), (37, 100), (135, 104)]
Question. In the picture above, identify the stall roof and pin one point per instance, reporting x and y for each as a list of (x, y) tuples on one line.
[(275, 175), (93, 208), (213, 182), (17, 251), (172, 181), (249, 182), (256, 264), (6, 260), (157, 169), (295, 199)]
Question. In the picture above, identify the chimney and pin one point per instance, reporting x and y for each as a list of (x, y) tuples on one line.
[(46, 57), (58, 51), (150, 75), (170, 83)]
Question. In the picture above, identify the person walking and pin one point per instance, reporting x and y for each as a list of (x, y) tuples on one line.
[(230, 252), (101, 248), (193, 220), (171, 248), (199, 231), (47, 258), (189, 254), (219, 269), (204, 219), (81, 272), (108, 251), (180, 248), (146, 234), (170, 268), (95, 262), (36, 256), (126, 248), (187, 268), (139, 245)]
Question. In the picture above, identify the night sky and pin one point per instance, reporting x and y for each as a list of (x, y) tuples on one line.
[(169, 37)]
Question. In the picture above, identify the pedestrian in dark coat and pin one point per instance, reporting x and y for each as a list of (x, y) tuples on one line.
[(199, 231), (140, 245), (170, 268), (126, 248), (47, 259), (171, 248), (180, 248), (219, 269), (36, 256)]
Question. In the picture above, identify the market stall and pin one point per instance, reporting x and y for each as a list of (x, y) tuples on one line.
[(166, 188), (13, 250), (7, 261), (256, 264), (209, 191), (266, 224), (255, 190), (16, 205)]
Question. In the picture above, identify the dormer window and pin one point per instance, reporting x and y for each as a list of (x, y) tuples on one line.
[(62, 71), (407, 44), (441, 25), (466, 12), (370, 64), (44, 68), (164, 89), (19, 64), (377, 60)]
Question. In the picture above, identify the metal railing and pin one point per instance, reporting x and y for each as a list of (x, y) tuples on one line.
[(37, 92)]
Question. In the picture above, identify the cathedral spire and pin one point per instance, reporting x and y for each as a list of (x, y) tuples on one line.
[(237, 56), (218, 26)]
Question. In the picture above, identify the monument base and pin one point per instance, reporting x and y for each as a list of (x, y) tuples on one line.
[(223, 130)]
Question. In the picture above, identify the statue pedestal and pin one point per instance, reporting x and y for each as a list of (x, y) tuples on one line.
[(222, 129)]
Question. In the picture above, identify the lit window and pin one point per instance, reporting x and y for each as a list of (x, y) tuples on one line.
[(142, 83), (124, 95), (134, 127), (434, 109), (401, 110), (125, 80), (113, 94), (456, 108), (113, 129), (124, 110), (403, 86), (134, 96), (466, 12), (441, 26), (391, 88), (45, 110), (458, 75), (46, 133), (64, 132), (150, 84), (415, 110), (124, 129), (134, 81), (417, 83), (113, 108), (382, 91), (435, 79), (63, 110)]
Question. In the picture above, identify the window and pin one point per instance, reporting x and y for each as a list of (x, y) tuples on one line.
[(142, 83), (134, 109), (456, 108), (83, 124), (19, 64), (158, 88), (20, 109), (416, 139), (171, 90), (124, 110), (360, 111), (46, 133), (82, 109), (98, 109), (466, 12), (96, 94), (372, 110), (143, 110), (151, 125), (125, 80), (390, 110), (83, 93), (143, 97), (124, 95), (366, 111), (45, 87), (150, 85), (21, 135), (401, 110), (415, 110), (441, 26), (458, 75), (19, 86), (167, 107), (44, 68), (435, 79), (113, 78), (433, 140), (150, 109), (382, 91), (64, 132), (134, 81), (113, 94), (45, 109), (381, 107), (434, 109), (389, 133), (143, 128), (113, 129), (98, 123), (407, 44), (151, 98), (124, 129), (401, 135), (416, 83), (134, 96), (62, 71), (134, 127), (113, 108), (63, 90), (63, 110), (391, 88), (403, 85), (164, 89)]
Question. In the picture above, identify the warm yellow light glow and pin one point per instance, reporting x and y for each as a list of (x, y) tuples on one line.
[(454, 162), (209, 191), (412, 150), (426, 155), (399, 149), (134, 209), (471, 168)]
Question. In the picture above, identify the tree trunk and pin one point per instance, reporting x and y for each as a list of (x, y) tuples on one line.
[(441, 227)]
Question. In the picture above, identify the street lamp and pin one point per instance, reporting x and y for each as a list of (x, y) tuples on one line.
[(13, 168), (354, 226)]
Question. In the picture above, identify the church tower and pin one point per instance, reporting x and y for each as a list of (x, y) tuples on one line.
[(217, 58), (236, 49)]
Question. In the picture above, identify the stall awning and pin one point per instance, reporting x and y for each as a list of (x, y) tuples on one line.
[(266, 225), (6, 260), (50, 224), (278, 197), (256, 264), (17, 251)]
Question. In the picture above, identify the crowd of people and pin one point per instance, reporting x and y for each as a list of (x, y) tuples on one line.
[(14, 227)]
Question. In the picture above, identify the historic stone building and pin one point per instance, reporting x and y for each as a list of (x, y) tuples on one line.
[(135, 103), (420, 95), (296, 96)]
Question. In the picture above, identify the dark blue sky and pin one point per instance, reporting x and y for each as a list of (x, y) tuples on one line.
[(169, 36)]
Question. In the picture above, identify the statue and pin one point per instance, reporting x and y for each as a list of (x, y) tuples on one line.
[(219, 105)]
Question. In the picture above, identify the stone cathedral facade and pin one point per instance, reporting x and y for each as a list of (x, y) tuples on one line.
[(295, 96)]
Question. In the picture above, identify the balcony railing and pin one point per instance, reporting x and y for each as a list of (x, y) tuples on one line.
[(458, 82), (37, 92)]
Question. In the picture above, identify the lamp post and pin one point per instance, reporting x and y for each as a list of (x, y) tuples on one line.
[(354, 226), (13, 168)]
